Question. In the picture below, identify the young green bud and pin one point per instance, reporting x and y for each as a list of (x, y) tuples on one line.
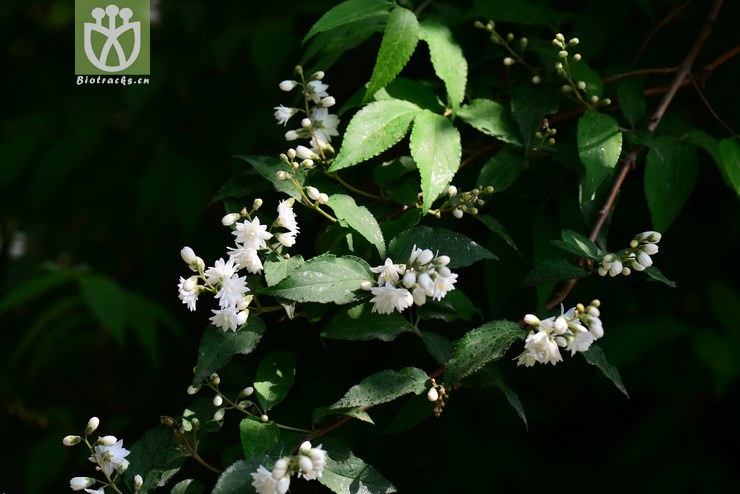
[(71, 440)]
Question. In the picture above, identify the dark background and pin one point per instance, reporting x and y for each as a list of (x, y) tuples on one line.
[(106, 184)]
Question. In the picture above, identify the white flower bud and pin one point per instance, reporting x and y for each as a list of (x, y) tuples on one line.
[(577, 57), (247, 391), (123, 466), (457, 213), (217, 401), (188, 255), (606, 102), (219, 415), (508, 61), (80, 483), (107, 440), (654, 237), (318, 75), (563, 54), (560, 37), (594, 99), (230, 219), (190, 284), (581, 85), (593, 311), (366, 285), (536, 79), (306, 124), (288, 85), (615, 269), (573, 41), (452, 191), (323, 198), (291, 153), (92, 425), (634, 243), (281, 175), (637, 266), (242, 317), (561, 325), (644, 259), (312, 192), (409, 279), (566, 88), (327, 102), (650, 249), (138, 482), (280, 469), (193, 389), (443, 260), (257, 203), (532, 320), (71, 440), (305, 447), (595, 327), (215, 380), (432, 394), (626, 271), (602, 271), (291, 135), (425, 256), (283, 485), (558, 66), (307, 163), (304, 153), (264, 418)]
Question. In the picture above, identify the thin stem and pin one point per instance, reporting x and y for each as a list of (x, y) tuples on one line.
[(351, 188), (709, 106), (631, 160), (634, 73), (296, 429)]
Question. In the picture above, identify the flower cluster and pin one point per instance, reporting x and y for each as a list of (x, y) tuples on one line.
[(573, 330), (222, 279), (465, 202), (515, 56), (636, 257), (309, 463), (578, 88), (401, 285), (109, 456), (318, 125), (223, 403)]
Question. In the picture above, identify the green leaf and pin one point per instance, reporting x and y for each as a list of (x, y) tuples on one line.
[(347, 474), (33, 287), (502, 169), (257, 437), (347, 12), (237, 479), (481, 346), (729, 151), (188, 486), (358, 218), (383, 387), (324, 279), (217, 347), (436, 149), (406, 221), (103, 297), (360, 324), (579, 245), (156, 457), (399, 42), (490, 376), (671, 169), (594, 84), (461, 250), (496, 227), (447, 59), (416, 409), (552, 271), (354, 412), (438, 346), (595, 356), (274, 378), (491, 118), (599, 147), (656, 275), (412, 91), (455, 305), (631, 100), (529, 104), (373, 129), (268, 167), (277, 268), (329, 46)]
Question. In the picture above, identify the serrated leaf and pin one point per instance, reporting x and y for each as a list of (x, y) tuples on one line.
[(595, 356), (416, 409), (156, 457), (496, 227), (329, 46), (399, 42), (240, 185), (188, 486), (324, 279), (268, 167), (631, 100), (552, 271), (412, 91), (373, 129), (346, 13), (461, 250), (729, 152), (491, 118), (347, 474), (502, 169), (671, 168), (599, 147), (360, 324), (436, 149), (258, 437), (274, 378), (447, 59), (277, 268), (438, 346), (383, 387), (656, 275), (529, 104), (358, 218), (578, 244), (481, 346), (354, 412), (490, 376), (217, 347), (237, 479)]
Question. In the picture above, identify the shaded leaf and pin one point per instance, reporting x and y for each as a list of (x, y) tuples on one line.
[(348, 12), (33, 287), (268, 167), (354, 412), (257, 437), (595, 356), (407, 220), (274, 378), (436, 149), (491, 118), (438, 346), (347, 474), (656, 275), (496, 227), (455, 305), (277, 268), (237, 479), (156, 457), (529, 104), (416, 409), (358, 218), (631, 100), (729, 152), (360, 324), (579, 245), (399, 42), (104, 297), (481, 346), (552, 271), (490, 376), (383, 387), (447, 59), (188, 486), (502, 169), (461, 250)]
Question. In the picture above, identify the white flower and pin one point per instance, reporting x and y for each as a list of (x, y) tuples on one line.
[(264, 483), (138, 481), (220, 271), (388, 273), (644, 259), (286, 238), (96, 491), (226, 319), (325, 124), (650, 249), (539, 347), (616, 268), (581, 341), (443, 283), (187, 292), (387, 298), (232, 290), (306, 154), (316, 90), (111, 457), (79, 483), (311, 462), (422, 256), (283, 114), (252, 234), (246, 258), (230, 219), (286, 216)]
